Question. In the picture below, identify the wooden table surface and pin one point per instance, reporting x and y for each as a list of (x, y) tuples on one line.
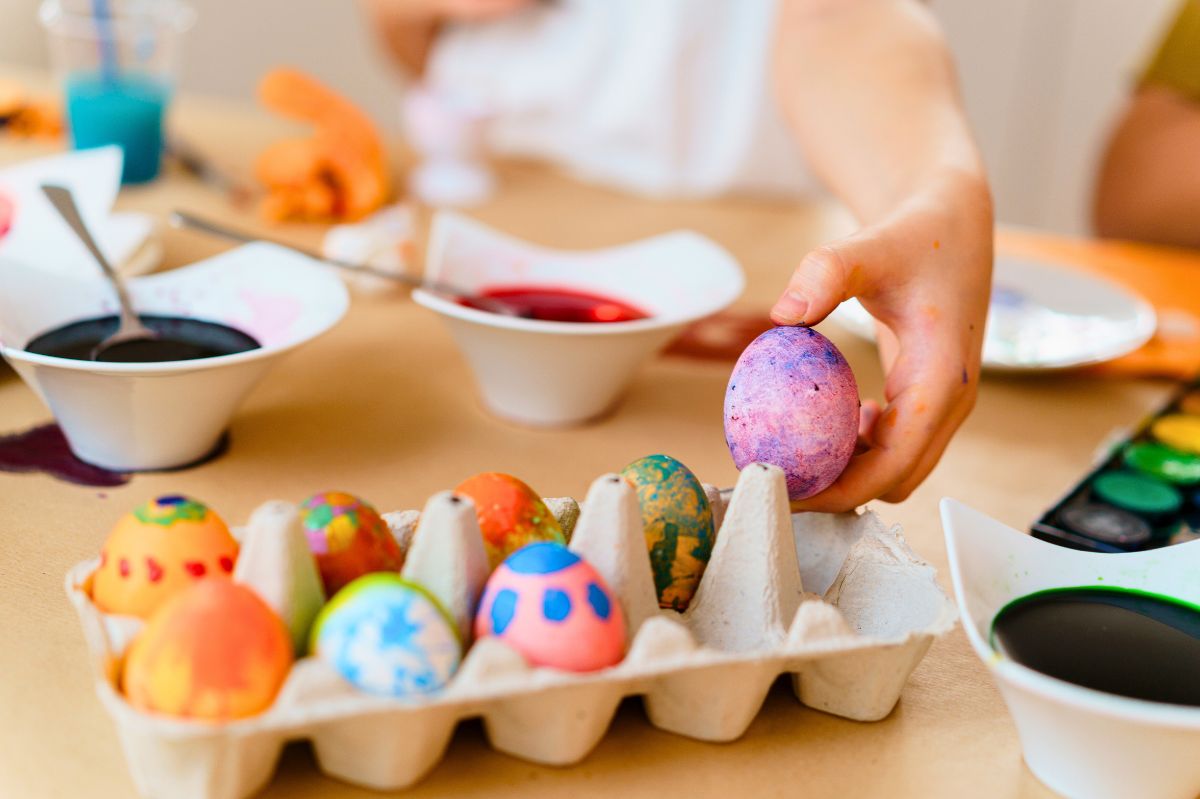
[(384, 406)]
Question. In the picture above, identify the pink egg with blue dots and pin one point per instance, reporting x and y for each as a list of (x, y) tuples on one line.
[(792, 401), (554, 608)]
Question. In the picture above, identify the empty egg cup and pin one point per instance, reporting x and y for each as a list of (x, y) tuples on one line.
[(142, 416), (542, 373), (1078, 741)]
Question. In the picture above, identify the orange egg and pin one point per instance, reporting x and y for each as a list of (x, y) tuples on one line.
[(213, 651), (156, 551), (348, 538), (510, 514)]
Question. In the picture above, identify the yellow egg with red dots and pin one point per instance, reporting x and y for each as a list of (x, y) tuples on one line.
[(214, 651), (156, 551)]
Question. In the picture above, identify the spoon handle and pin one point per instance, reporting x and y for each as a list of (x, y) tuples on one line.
[(64, 202), (184, 219)]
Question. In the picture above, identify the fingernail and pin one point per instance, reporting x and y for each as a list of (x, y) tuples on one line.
[(791, 308)]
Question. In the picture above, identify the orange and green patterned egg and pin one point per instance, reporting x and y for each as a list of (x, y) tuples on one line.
[(679, 525), (214, 651), (156, 551), (348, 538), (511, 514)]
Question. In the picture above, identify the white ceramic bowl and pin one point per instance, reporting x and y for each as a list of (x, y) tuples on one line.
[(560, 373), (1078, 741), (140, 416)]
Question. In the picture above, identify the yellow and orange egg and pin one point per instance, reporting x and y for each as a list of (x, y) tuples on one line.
[(214, 651), (157, 550)]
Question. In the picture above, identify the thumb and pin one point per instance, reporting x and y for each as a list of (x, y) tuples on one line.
[(827, 276)]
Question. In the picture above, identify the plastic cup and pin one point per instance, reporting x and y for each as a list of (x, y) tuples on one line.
[(117, 62)]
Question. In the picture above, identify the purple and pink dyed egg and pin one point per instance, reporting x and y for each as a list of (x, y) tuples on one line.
[(551, 606), (792, 402)]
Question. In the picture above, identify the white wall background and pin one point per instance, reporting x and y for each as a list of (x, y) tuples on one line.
[(1042, 78)]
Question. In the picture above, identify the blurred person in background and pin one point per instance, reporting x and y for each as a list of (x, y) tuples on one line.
[(700, 97), (1148, 187)]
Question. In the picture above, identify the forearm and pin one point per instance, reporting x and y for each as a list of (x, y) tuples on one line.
[(869, 88), (1149, 183)]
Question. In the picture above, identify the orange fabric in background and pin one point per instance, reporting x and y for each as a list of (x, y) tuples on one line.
[(1168, 278)]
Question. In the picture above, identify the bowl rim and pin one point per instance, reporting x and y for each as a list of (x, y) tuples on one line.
[(446, 307), (154, 368), (727, 264), (337, 293)]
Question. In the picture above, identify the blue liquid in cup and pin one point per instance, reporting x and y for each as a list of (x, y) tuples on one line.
[(122, 109)]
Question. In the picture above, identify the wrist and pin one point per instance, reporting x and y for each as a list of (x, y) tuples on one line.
[(958, 195), (967, 188)]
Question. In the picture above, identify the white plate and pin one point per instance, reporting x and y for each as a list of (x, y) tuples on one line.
[(1045, 316)]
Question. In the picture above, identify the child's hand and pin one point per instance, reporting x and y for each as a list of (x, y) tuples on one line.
[(924, 272)]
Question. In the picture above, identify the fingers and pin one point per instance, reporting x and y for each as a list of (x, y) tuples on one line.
[(827, 276), (868, 415), (938, 443), (888, 346), (906, 440), (933, 454)]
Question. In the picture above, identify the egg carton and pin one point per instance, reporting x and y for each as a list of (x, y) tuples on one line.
[(849, 644)]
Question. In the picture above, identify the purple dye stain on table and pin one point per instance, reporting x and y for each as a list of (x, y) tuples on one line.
[(792, 401), (44, 449)]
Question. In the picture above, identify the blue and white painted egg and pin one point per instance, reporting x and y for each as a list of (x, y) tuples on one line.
[(388, 636)]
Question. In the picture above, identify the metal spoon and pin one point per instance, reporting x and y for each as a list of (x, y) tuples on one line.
[(184, 219), (130, 327)]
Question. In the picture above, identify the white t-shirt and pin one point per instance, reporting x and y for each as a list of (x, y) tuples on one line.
[(665, 97)]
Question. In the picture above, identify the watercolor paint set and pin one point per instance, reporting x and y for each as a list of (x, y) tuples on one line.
[(1145, 494)]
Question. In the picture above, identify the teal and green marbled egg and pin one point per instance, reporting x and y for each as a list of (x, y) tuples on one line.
[(678, 522)]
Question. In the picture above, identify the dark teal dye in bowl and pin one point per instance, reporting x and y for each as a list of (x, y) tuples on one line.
[(1117, 640)]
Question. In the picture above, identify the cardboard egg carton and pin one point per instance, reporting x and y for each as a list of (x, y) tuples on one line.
[(849, 642)]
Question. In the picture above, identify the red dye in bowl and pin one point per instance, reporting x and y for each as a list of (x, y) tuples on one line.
[(558, 305)]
